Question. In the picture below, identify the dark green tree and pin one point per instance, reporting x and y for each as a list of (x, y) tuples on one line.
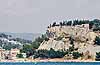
[(54, 24), (76, 55), (69, 23), (97, 40), (19, 56), (97, 56)]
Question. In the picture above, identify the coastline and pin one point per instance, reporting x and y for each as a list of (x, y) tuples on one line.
[(45, 60)]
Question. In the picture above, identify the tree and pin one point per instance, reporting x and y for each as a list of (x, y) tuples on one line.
[(71, 48), (76, 55), (19, 56), (71, 40), (50, 54), (4, 35), (96, 21), (28, 49), (64, 23), (75, 22), (97, 40), (61, 24), (10, 46), (56, 54), (39, 40), (97, 56), (69, 23), (54, 24)]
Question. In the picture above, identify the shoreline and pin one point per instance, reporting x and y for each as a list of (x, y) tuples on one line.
[(44, 60)]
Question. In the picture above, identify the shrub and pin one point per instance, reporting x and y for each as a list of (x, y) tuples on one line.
[(97, 56), (76, 55), (19, 56), (50, 54), (97, 41), (71, 40), (71, 48)]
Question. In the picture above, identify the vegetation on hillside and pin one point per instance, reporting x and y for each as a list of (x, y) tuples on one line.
[(50, 54), (93, 24), (8, 43), (19, 56), (31, 49), (39, 40), (76, 55), (97, 40), (97, 56)]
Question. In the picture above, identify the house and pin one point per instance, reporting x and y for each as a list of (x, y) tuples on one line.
[(14, 52), (2, 53)]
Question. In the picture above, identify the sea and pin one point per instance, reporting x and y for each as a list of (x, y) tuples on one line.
[(50, 63)]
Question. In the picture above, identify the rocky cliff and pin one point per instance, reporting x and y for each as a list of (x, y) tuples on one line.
[(63, 37)]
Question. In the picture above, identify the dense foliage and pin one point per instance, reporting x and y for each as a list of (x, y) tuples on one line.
[(19, 56), (76, 55), (11, 46), (30, 49), (98, 56), (23, 41), (39, 40), (8, 43), (50, 54), (2, 35), (97, 41), (93, 24), (71, 40)]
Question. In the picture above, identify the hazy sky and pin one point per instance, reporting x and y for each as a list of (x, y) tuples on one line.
[(35, 15)]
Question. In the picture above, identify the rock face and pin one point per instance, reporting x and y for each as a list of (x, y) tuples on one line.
[(59, 38), (56, 45)]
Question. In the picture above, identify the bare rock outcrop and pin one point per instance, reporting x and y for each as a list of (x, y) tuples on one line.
[(59, 39), (56, 45)]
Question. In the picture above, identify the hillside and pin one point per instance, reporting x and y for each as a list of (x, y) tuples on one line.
[(26, 36), (82, 37), (8, 42), (70, 40)]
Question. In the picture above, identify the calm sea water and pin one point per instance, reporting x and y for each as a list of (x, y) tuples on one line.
[(53, 63)]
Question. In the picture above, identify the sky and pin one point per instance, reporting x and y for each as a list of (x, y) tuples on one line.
[(33, 16)]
